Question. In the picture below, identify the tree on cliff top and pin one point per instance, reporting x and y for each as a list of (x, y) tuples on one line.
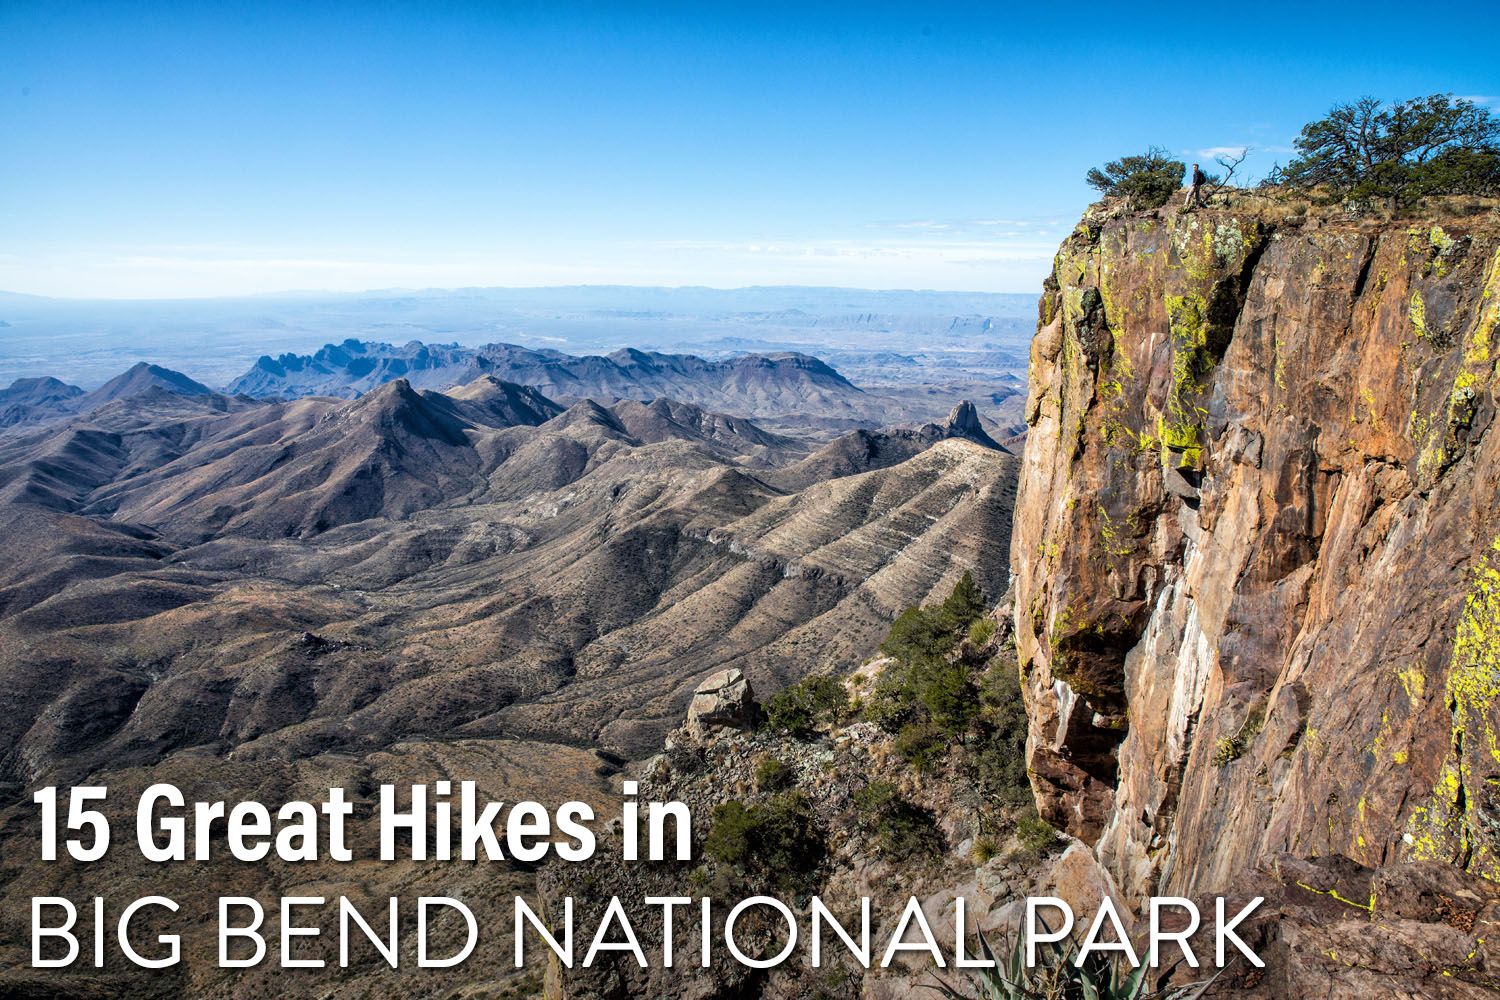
[(1146, 180), (1399, 152)]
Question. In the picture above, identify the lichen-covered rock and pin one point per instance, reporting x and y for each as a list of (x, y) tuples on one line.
[(1334, 928), (1255, 550)]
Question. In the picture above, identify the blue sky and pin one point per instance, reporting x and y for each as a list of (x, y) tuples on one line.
[(219, 148)]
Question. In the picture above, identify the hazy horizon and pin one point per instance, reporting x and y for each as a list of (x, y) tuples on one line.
[(215, 339), (300, 293), (236, 149)]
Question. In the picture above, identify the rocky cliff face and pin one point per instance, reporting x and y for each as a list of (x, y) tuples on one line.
[(1257, 543)]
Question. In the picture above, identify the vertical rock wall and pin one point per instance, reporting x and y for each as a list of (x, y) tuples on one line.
[(1257, 543)]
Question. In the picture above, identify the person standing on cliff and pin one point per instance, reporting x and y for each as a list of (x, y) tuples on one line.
[(1194, 197)]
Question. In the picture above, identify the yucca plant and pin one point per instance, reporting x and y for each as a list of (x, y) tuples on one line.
[(1056, 976)]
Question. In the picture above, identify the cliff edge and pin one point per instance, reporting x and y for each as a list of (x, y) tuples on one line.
[(1257, 543)]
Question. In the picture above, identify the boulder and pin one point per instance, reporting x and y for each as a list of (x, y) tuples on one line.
[(723, 701)]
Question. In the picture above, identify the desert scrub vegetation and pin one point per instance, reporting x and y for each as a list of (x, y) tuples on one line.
[(778, 836), (952, 702), (926, 690), (772, 774), (1145, 180), (799, 709), (945, 688), (901, 829), (1058, 975), (1035, 835)]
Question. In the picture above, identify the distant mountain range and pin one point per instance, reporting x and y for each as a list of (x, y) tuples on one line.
[(217, 340), (752, 384), (35, 400), (791, 392)]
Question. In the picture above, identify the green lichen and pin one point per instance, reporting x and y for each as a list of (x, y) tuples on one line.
[(1231, 748), (1334, 894), (1416, 312), (1117, 537), (1434, 246), (1413, 682), (1180, 428), (1372, 414), (1479, 349), (1430, 461), (1474, 677)]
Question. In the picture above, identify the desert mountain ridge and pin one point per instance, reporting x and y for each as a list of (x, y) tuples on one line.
[(794, 393), (235, 593)]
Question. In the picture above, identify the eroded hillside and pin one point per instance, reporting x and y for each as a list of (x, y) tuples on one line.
[(264, 599), (1256, 543)]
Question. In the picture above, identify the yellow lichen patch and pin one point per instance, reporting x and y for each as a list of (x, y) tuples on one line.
[(1178, 428), (1334, 894), (1115, 536), (1378, 747), (1372, 415), (1436, 832), (1441, 830), (1413, 682), (1487, 318), (1429, 461), (1416, 312), (1474, 677)]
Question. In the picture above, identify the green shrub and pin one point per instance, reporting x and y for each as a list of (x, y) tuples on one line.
[(919, 633), (901, 829), (981, 631), (922, 688), (997, 754), (921, 745), (1036, 835), (813, 701), (773, 775), (776, 836), (948, 695), (965, 603), (889, 706), (1147, 180)]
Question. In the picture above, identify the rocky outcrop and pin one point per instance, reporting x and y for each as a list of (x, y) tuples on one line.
[(963, 422), (1257, 549), (969, 851), (724, 701), (1333, 928)]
